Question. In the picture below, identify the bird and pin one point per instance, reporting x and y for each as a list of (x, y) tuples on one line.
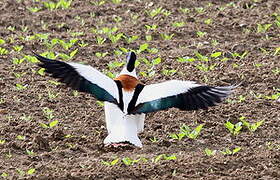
[(127, 100)]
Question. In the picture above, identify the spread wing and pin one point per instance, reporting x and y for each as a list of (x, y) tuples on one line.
[(185, 95), (83, 78)]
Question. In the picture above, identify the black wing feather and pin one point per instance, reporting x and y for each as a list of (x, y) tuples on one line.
[(200, 97), (69, 75)]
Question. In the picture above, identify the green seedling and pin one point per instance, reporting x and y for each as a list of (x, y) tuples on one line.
[(233, 128), (201, 57), (199, 10), (276, 71), (110, 74), (24, 28), (31, 171), (154, 12), (115, 64), (9, 154), (41, 71), (206, 68), (272, 145), (153, 140), (50, 125), (214, 42), (110, 163), (185, 59), (107, 30), (83, 44), (18, 75), (277, 51), (251, 126), (151, 27), (185, 10), (166, 12), (118, 52), (277, 21), (100, 103), (20, 172), (187, 131), (2, 41), (262, 28), (42, 36), (127, 161), (18, 48), (34, 9), (2, 141), (50, 44), (30, 152), (50, 5), (168, 72), (216, 54), (148, 37), (75, 93), (98, 2), (131, 39), (25, 117), (100, 54), (117, 19), (116, 1), (68, 45), (164, 157), (200, 34), (124, 50), (48, 113), (142, 48), (241, 56), (208, 21), (153, 50), (70, 56), (18, 61), (55, 83), (20, 87), (20, 137), (178, 24), (4, 175), (115, 38), (241, 98), (227, 151), (11, 28), (156, 61), (76, 34), (3, 51), (100, 40), (52, 95), (273, 96), (31, 59), (2, 100), (257, 65), (63, 4), (166, 36), (210, 152)]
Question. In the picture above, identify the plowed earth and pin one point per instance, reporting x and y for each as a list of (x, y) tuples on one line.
[(73, 149)]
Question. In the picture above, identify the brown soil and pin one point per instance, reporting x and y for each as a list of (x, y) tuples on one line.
[(74, 148)]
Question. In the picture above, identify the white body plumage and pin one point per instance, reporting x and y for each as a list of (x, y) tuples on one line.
[(122, 127)]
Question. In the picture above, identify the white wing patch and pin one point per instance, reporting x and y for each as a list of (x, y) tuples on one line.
[(164, 89), (96, 77)]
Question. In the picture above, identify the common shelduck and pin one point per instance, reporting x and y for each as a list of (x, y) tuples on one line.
[(127, 100)]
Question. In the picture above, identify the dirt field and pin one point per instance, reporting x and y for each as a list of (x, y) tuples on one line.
[(48, 131)]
